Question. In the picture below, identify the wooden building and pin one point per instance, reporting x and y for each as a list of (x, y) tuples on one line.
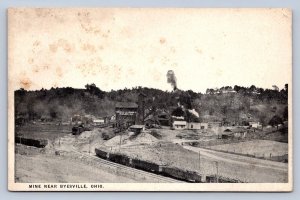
[(126, 113)]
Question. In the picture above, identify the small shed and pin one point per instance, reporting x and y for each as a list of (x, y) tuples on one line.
[(227, 134), (137, 128)]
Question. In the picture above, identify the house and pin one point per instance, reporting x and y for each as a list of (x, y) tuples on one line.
[(97, 122), (203, 125), (254, 124), (233, 133), (164, 118), (193, 125), (137, 128), (239, 132), (149, 121), (179, 124), (159, 118), (227, 134)]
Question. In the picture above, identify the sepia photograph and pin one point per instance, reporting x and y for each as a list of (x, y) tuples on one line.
[(150, 99)]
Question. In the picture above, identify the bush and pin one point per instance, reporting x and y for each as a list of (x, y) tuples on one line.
[(107, 136)]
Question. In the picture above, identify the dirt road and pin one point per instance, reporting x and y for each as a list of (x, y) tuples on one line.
[(244, 168), (240, 160)]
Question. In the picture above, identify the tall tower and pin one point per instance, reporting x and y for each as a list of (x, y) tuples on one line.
[(141, 109)]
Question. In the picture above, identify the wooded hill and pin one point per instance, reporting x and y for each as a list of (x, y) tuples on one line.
[(241, 104)]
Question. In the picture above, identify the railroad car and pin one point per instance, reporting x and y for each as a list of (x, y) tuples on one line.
[(101, 153), (40, 143), (145, 165), (119, 158), (181, 174)]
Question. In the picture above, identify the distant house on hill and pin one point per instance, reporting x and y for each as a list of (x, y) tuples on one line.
[(233, 133), (239, 132), (226, 134), (255, 124)]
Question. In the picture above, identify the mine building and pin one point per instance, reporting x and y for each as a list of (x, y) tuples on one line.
[(141, 109), (126, 113)]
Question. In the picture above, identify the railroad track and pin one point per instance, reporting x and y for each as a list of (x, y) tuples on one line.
[(130, 169)]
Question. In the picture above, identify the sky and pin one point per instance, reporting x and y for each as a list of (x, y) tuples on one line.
[(118, 48)]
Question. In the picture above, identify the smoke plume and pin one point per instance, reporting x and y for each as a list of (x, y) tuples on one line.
[(171, 78)]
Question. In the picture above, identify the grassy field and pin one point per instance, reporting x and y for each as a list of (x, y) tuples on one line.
[(43, 131), (258, 148)]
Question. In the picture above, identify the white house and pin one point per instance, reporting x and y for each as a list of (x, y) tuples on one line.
[(98, 121), (255, 124), (193, 125), (179, 125)]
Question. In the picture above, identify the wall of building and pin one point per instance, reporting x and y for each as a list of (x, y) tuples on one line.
[(193, 126), (179, 125)]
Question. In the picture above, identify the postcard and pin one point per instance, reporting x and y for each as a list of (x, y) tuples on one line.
[(150, 99)]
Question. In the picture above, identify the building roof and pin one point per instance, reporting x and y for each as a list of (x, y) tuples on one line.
[(179, 122), (126, 105), (194, 122), (98, 120), (137, 126), (238, 130)]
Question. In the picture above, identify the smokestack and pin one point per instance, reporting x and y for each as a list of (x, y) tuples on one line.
[(171, 78)]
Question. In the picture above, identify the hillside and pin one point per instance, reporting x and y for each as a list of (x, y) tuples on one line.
[(62, 103)]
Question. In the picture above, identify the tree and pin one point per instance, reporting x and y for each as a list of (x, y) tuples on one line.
[(275, 121), (93, 89), (275, 87), (178, 112), (262, 119), (286, 87), (285, 114), (252, 88)]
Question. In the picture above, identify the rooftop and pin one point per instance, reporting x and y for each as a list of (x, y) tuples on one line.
[(126, 105), (137, 126)]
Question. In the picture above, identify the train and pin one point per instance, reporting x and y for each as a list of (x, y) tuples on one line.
[(173, 172)]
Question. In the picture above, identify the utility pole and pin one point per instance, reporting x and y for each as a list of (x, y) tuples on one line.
[(120, 141), (199, 162), (89, 146), (217, 167)]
